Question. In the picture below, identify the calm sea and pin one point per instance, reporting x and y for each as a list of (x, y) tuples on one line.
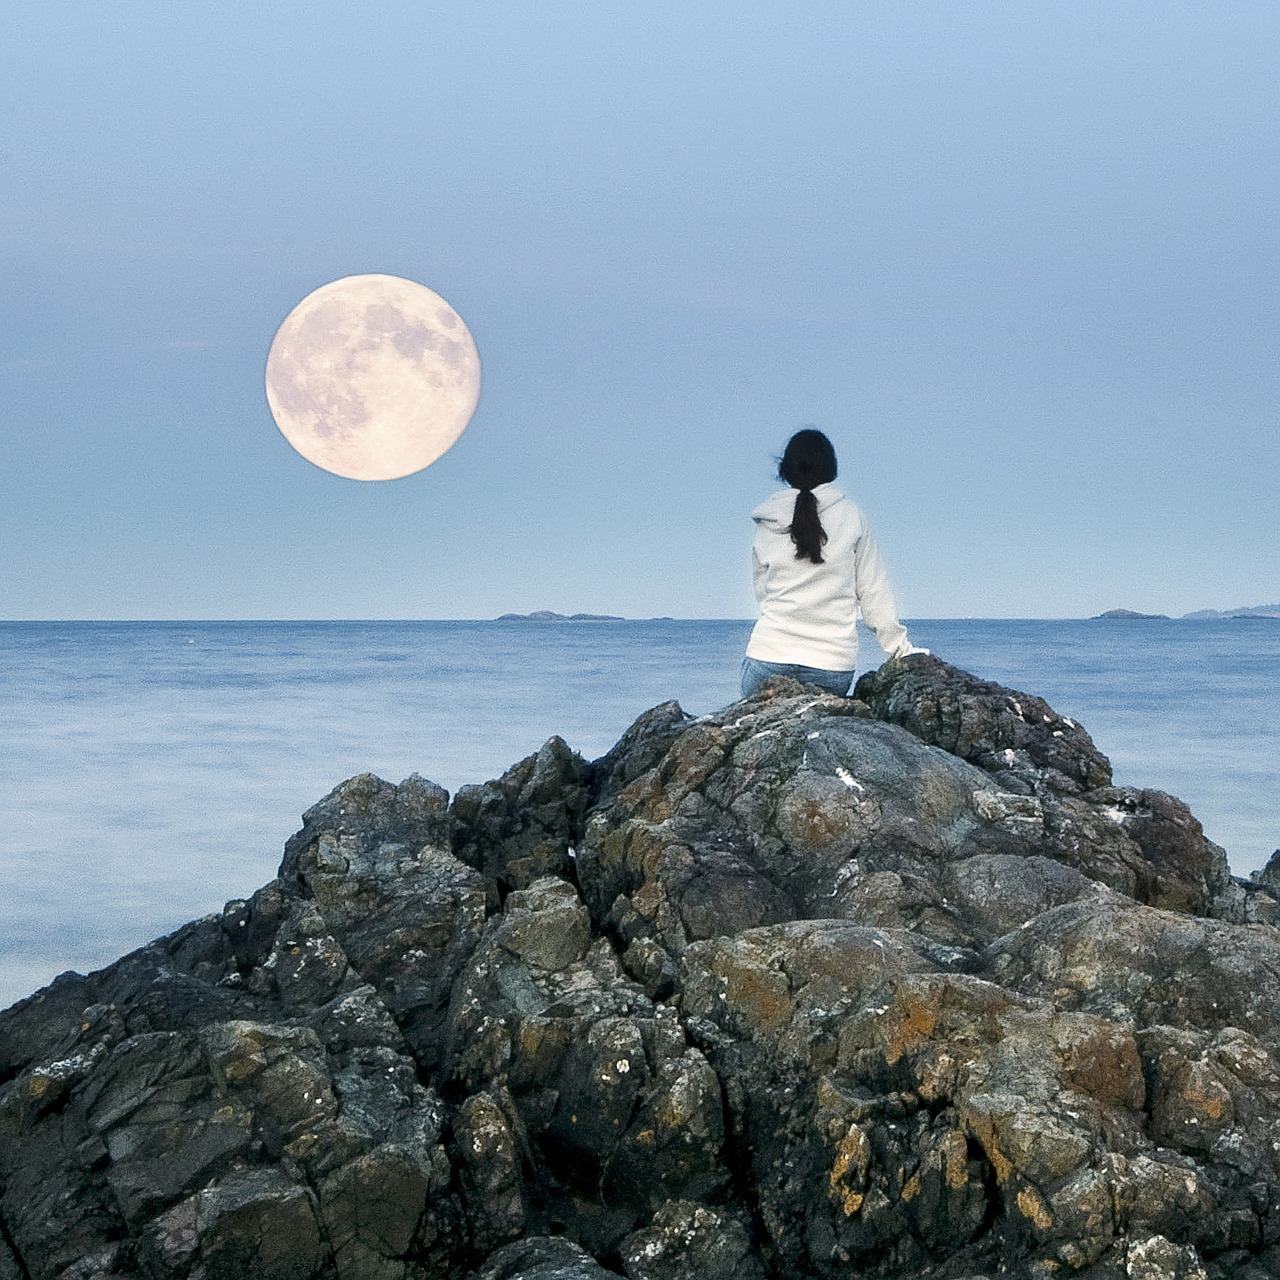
[(150, 771)]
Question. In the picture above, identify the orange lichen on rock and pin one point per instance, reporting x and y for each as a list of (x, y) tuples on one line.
[(984, 1130), (909, 1023), (955, 1159), (1031, 1205), (646, 797), (694, 756), (38, 1084), (1105, 1064), (813, 824), (762, 996), (849, 1172), (1207, 1096)]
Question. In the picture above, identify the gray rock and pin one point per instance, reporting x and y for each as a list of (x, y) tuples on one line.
[(404, 912), (689, 1241), (523, 825), (1142, 967), (234, 1099), (890, 986), (896, 1112), (1269, 876), (797, 805), (618, 1112), (542, 1258), (999, 729), (9, 1268), (1158, 852), (258, 1223), (491, 1149)]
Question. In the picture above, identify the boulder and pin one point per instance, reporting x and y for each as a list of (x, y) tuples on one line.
[(403, 912), (523, 825), (689, 1241), (542, 1258), (236, 1098), (1012, 734), (800, 805), (613, 1109)]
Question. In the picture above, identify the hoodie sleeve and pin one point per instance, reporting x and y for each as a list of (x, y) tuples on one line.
[(875, 596), (758, 574)]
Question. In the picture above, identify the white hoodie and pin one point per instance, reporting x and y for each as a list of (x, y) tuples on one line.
[(809, 612)]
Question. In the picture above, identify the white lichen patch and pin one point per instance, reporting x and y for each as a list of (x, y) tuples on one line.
[(1008, 808)]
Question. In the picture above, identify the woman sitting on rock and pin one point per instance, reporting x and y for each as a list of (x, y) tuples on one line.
[(815, 565)]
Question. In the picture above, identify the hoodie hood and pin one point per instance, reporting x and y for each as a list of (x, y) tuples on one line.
[(776, 510)]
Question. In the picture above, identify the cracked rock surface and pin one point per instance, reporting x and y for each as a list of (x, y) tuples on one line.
[(898, 985)]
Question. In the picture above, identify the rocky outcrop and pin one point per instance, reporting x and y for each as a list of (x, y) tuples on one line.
[(898, 985)]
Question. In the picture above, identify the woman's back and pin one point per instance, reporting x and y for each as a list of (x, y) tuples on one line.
[(808, 612)]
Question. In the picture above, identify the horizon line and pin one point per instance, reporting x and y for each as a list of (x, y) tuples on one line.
[(1197, 615)]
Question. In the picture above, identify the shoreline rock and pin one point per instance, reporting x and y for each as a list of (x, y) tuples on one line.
[(898, 985)]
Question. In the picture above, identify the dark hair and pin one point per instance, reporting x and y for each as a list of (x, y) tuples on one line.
[(807, 461)]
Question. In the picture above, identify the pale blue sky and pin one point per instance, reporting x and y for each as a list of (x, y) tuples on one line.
[(1019, 260)]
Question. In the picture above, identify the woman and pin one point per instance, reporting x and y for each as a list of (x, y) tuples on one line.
[(815, 565)]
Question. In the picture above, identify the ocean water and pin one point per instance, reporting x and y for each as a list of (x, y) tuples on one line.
[(151, 771)]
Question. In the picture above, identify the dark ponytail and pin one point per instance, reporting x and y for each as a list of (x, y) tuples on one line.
[(808, 461)]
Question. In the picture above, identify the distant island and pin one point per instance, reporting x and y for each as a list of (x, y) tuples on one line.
[(546, 615), (1254, 611), (1200, 615), (1129, 615)]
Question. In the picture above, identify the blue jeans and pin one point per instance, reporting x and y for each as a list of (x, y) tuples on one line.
[(755, 673)]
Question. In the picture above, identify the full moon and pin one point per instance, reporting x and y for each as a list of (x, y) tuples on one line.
[(372, 377)]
